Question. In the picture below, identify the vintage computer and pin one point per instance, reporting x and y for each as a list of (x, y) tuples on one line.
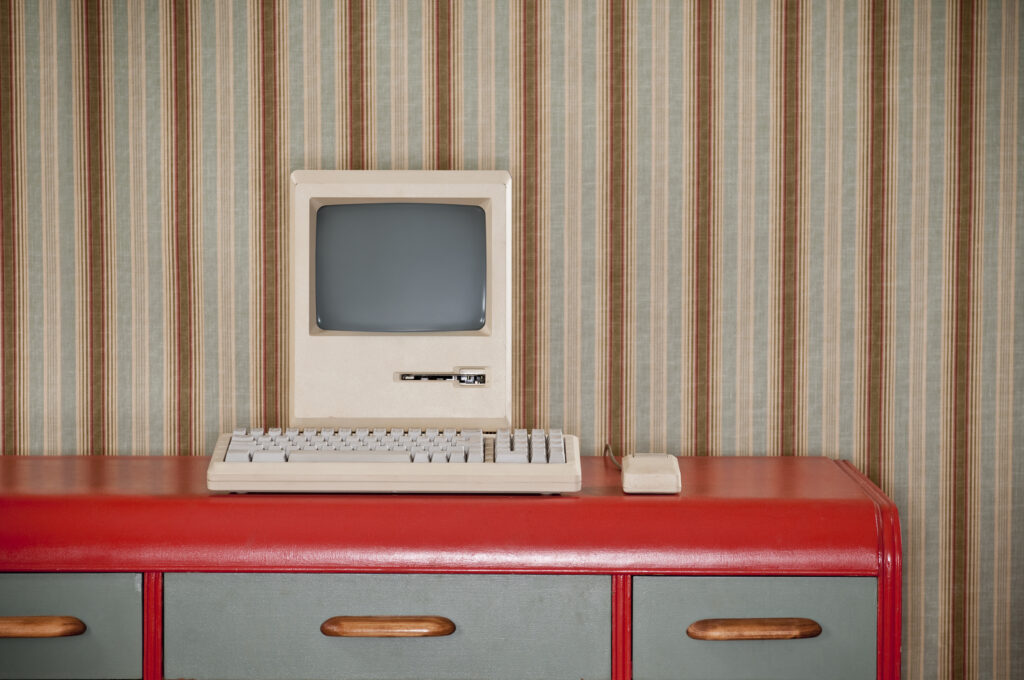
[(400, 346)]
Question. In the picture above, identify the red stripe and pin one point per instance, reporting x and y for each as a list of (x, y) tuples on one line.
[(617, 241), (271, 174), (8, 239), (789, 255), (181, 63), (95, 227), (702, 269)]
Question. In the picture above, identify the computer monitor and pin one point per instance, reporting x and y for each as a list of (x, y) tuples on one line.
[(400, 299)]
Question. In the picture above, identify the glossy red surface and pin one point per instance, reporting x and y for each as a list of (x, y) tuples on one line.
[(810, 516), (735, 515)]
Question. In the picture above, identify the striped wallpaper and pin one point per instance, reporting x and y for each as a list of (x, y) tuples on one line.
[(778, 228)]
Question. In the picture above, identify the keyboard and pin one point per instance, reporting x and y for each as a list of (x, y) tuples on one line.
[(392, 460)]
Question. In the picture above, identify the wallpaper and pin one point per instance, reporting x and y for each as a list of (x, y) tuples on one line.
[(771, 228)]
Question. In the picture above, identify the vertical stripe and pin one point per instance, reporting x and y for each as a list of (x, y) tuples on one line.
[(527, 259), (271, 324), (789, 280), (618, 225), (9, 264), (959, 372), (1005, 634), (444, 156), (185, 396), (876, 249), (93, 36), (357, 86), (703, 269)]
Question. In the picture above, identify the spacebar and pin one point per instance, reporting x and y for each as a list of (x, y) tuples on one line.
[(348, 457)]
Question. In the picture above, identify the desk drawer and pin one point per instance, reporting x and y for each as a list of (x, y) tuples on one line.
[(268, 626), (110, 606), (664, 607)]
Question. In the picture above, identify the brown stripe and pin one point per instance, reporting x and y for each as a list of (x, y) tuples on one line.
[(789, 247), (181, 63), (876, 248), (960, 371), (529, 215), (271, 219), (356, 86), (443, 153), (95, 225), (8, 238), (702, 269), (617, 237)]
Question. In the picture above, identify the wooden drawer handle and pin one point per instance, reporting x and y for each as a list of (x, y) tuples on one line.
[(753, 629), (40, 626), (387, 626)]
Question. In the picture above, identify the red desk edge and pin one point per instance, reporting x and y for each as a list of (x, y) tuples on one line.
[(735, 516)]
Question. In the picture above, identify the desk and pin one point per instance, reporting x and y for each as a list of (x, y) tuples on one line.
[(796, 525)]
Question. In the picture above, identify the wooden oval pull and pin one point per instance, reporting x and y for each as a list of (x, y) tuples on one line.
[(40, 626), (387, 626), (754, 629)]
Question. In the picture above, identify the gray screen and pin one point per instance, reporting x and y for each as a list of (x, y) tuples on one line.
[(401, 267)]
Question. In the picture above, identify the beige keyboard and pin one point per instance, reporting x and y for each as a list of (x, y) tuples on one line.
[(392, 460)]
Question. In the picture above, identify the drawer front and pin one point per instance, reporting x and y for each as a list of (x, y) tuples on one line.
[(663, 608), (110, 606), (268, 626)]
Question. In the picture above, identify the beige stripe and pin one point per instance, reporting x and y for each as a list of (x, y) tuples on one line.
[(485, 123), (573, 234), (684, 224), (914, 517), (227, 384), (311, 81), (399, 86), (426, 63), (1002, 539), (140, 366), (832, 336), (660, 168), (746, 218), (52, 420)]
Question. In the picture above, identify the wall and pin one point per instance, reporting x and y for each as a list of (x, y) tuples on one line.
[(778, 228)]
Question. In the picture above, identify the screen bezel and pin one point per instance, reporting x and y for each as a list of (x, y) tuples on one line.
[(351, 378)]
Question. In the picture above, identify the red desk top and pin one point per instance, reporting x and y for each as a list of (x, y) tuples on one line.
[(734, 516)]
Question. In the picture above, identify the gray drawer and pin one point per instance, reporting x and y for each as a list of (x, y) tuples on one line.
[(663, 608), (110, 605), (267, 626)]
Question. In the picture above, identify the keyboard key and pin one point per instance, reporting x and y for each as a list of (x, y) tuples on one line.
[(307, 456), (511, 456), (268, 456)]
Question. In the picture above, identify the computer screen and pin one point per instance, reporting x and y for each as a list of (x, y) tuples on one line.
[(401, 267), (400, 299)]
